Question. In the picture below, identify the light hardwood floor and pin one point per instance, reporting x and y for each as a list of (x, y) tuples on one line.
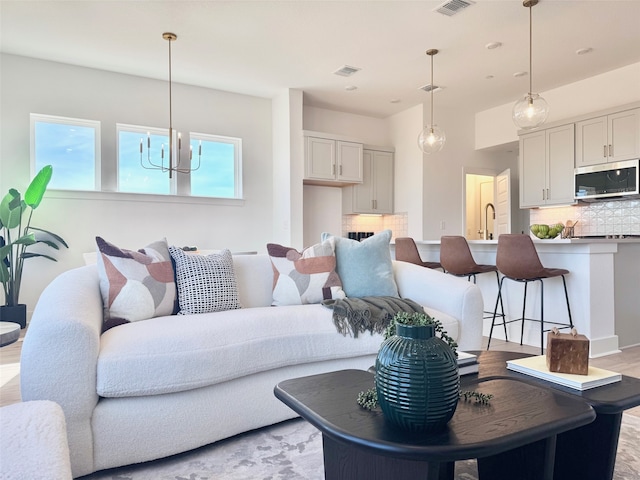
[(627, 362)]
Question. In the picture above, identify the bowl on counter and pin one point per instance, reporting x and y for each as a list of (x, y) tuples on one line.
[(546, 232)]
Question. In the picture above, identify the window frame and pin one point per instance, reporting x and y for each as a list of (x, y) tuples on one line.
[(237, 160), (144, 131), (78, 122)]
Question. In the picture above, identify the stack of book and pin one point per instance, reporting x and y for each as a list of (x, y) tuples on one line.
[(467, 363), (537, 367)]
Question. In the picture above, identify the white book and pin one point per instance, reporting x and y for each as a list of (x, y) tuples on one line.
[(465, 358), (537, 367)]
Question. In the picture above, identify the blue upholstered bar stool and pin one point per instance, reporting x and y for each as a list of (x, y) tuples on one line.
[(456, 259), (517, 260), (407, 251)]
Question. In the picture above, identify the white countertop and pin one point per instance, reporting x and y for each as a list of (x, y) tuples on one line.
[(553, 241)]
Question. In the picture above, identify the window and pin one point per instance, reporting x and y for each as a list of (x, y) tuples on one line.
[(71, 146), (220, 170), (138, 146)]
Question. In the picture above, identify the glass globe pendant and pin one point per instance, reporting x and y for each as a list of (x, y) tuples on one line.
[(532, 110), (431, 139)]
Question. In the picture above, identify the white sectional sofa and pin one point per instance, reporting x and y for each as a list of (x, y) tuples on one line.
[(157, 387)]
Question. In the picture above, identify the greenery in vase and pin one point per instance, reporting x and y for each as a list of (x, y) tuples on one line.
[(368, 399), (418, 319), (17, 236)]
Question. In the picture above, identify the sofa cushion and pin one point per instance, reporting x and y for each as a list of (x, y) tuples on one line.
[(307, 277), (166, 354), (206, 283), (135, 285), (365, 267)]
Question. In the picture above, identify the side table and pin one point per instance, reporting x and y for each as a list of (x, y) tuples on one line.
[(585, 453), (9, 333), (361, 444)]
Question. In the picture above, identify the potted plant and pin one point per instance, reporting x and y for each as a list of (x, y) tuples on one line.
[(16, 237)]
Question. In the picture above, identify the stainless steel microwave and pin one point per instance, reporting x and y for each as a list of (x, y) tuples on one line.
[(609, 181)]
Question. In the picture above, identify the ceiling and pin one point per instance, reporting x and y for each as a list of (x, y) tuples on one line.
[(261, 47)]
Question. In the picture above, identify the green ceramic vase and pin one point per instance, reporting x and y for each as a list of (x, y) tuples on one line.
[(417, 379)]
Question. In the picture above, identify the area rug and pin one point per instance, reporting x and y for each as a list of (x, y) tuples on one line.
[(292, 450)]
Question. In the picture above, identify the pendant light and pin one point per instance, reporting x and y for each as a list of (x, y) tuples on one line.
[(173, 164), (431, 138), (532, 110)]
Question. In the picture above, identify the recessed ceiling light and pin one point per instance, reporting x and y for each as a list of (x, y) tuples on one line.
[(350, 88), (520, 74), (493, 45), (584, 51)]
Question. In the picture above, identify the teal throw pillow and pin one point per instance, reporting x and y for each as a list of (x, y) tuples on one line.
[(365, 267)]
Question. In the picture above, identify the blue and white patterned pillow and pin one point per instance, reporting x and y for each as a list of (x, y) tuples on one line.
[(206, 283)]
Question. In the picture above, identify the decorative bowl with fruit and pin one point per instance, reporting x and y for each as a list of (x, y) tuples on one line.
[(546, 232)]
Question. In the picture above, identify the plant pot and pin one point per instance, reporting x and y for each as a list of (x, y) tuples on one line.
[(417, 379), (14, 313)]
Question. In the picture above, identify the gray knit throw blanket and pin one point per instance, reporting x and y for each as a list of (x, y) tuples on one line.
[(368, 314)]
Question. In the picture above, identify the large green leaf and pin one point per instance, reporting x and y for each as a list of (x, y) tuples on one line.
[(58, 238), (37, 187), (11, 209), (4, 273)]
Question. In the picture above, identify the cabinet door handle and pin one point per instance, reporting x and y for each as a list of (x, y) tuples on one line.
[(375, 204), (340, 169), (548, 194), (543, 194), (604, 154), (610, 150), (333, 169)]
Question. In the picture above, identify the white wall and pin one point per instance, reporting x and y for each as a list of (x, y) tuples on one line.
[(322, 212), (617, 87), (288, 164), (34, 86), (443, 178), (409, 165), (370, 130)]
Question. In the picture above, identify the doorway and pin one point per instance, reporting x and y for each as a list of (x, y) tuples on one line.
[(487, 209)]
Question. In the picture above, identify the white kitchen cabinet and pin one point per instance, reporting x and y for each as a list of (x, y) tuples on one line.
[(546, 167), (329, 160), (608, 138), (375, 194)]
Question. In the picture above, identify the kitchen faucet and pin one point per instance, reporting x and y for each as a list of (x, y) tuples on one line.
[(486, 225)]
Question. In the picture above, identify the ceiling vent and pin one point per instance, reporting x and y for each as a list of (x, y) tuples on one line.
[(346, 71), (428, 87), (452, 7)]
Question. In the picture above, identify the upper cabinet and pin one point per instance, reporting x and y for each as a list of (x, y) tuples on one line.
[(546, 167), (608, 138), (329, 161), (375, 194)]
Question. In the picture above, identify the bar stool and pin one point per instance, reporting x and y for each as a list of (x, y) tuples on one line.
[(517, 260), (456, 259), (407, 251)]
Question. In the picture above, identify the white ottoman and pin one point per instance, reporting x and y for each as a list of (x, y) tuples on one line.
[(33, 442)]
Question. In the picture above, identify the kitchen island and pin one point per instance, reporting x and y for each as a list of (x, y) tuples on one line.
[(602, 287)]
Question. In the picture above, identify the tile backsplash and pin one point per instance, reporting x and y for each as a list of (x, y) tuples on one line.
[(621, 217), (397, 223)]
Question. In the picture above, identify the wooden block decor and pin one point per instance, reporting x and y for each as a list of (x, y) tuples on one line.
[(567, 352)]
